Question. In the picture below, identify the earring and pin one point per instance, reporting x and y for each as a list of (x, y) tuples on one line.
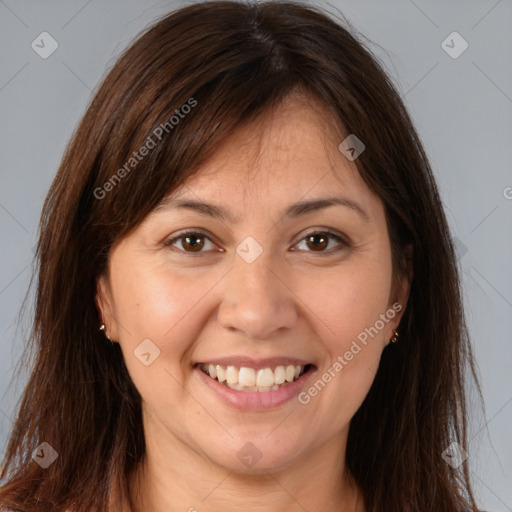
[(103, 328), (395, 337)]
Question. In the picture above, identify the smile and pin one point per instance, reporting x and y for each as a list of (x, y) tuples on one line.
[(260, 387), (250, 379)]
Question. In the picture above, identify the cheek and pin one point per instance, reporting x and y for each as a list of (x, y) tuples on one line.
[(350, 314), (348, 300), (164, 305)]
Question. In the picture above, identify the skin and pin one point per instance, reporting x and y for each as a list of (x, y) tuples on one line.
[(293, 300)]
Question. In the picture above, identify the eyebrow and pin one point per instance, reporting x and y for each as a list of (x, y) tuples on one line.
[(293, 211)]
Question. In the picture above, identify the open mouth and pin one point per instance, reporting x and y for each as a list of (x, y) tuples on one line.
[(250, 379)]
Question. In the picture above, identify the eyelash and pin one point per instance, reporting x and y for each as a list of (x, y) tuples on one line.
[(331, 234)]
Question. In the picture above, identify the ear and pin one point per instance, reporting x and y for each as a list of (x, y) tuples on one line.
[(400, 293), (105, 307)]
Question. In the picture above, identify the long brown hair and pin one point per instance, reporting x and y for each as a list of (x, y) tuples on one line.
[(235, 60)]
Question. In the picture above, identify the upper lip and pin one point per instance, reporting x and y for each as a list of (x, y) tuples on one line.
[(249, 362)]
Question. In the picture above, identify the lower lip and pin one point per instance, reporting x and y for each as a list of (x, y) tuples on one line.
[(254, 400)]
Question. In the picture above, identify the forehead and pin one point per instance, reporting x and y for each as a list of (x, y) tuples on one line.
[(286, 155)]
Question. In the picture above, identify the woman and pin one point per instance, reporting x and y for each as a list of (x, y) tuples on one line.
[(247, 293)]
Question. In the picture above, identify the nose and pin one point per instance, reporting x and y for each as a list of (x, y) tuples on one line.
[(256, 300)]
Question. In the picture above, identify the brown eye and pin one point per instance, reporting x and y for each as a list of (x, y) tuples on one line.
[(319, 241), (193, 242), (189, 242)]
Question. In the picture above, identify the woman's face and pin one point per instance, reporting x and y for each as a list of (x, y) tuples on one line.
[(251, 288)]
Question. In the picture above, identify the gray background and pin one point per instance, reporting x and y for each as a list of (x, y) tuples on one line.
[(462, 109)]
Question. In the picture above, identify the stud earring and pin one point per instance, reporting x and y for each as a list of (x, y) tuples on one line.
[(103, 328), (395, 337)]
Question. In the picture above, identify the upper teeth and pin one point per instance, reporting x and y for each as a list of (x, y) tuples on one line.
[(244, 376)]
